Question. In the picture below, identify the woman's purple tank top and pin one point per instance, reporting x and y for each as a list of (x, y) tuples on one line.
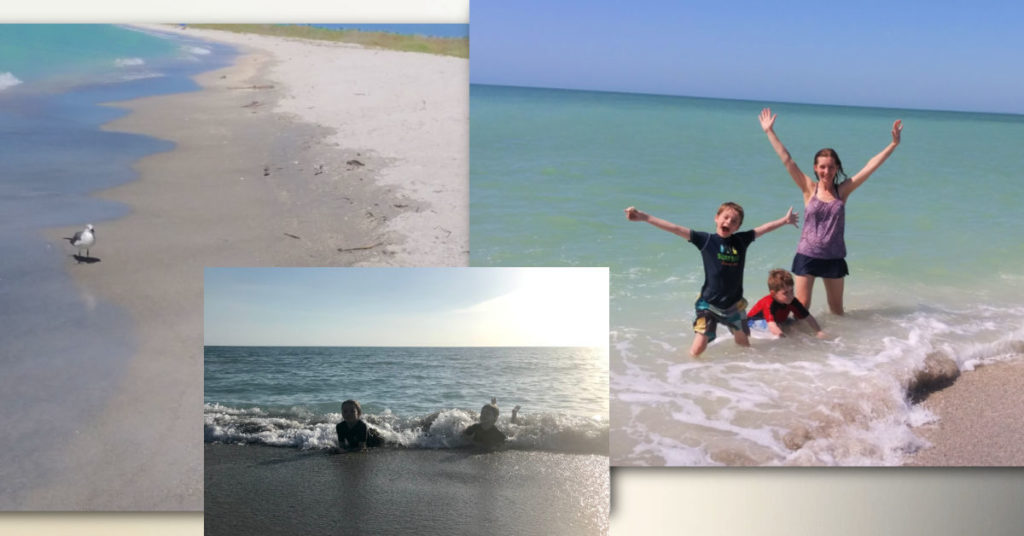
[(824, 223)]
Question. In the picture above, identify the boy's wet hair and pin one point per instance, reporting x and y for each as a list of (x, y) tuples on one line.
[(490, 408), (359, 409), (734, 206), (779, 279)]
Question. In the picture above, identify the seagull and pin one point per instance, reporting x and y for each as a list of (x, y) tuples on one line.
[(83, 239)]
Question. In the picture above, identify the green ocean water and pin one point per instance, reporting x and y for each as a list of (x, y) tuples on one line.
[(934, 241)]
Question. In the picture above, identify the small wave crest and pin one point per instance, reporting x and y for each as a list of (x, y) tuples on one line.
[(196, 51), (129, 62), (305, 428), (7, 80), (141, 76)]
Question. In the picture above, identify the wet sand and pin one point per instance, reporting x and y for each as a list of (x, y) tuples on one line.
[(980, 420), (267, 490)]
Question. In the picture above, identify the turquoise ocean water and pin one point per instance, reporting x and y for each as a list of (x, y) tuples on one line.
[(934, 241), (62, 348), (416, 397)]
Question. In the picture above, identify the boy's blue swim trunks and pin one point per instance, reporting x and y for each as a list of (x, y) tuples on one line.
[(709, 316)]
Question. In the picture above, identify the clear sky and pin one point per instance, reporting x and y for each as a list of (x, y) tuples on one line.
[(965, 56), (406, 306)]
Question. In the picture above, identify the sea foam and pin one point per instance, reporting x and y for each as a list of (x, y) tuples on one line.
[(8, 80), (306, 428), (129, 62), (197, 51), (799, 400)]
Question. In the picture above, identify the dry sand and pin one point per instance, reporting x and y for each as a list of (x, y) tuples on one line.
[(980, 420), (264, 173)]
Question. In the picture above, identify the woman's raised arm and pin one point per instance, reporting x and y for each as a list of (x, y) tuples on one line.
[(802, 181)]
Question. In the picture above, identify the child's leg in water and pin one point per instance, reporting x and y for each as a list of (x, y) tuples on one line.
[(700, 343), (741, 338)]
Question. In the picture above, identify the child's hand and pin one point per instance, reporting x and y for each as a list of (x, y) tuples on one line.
[(792, 218), (897, 129), (632, 214)]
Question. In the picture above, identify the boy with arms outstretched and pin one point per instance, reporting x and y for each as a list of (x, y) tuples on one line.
[(724, 253)]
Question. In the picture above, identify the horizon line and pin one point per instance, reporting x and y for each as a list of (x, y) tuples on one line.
[(768, 101)]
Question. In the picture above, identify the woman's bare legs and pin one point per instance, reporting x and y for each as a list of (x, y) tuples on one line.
[(803, 285), (834, 292)]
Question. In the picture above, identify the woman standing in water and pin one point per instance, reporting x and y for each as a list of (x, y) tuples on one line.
[(822, 250)]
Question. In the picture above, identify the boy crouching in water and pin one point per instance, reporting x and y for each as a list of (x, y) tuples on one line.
[(774, 308), (723, 253)]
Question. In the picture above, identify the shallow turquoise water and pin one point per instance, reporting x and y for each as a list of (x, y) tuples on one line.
[(934, 250)]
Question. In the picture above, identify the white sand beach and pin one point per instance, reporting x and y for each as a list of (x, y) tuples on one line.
[(300, 154)]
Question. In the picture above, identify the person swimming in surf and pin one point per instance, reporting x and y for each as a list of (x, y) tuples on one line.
[(484, 433), (822, 250), (353, 434)]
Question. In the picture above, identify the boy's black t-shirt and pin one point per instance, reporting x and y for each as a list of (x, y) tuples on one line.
[(723, 266), (351, 437), (486, 437)]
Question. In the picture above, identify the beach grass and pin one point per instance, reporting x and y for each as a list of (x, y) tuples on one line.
[(444, 46)]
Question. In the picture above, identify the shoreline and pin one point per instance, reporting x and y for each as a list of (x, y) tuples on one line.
[(421, 137), (979, 420), (251, 181)]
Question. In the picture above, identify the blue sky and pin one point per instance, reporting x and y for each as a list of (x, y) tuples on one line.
[(914, 54), (406, 306)]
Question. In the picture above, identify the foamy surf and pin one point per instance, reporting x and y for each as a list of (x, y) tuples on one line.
[(195, 50), (309, 428), (849, 401)]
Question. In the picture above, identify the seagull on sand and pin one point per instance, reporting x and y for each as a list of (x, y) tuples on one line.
[(83, 239)]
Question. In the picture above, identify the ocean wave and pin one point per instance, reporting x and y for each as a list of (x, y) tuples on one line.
[(8, 80), (196, 51), (306, 428), (141, 75), (129, 62)]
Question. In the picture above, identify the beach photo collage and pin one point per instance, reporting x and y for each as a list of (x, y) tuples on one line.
[(575, 269)]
